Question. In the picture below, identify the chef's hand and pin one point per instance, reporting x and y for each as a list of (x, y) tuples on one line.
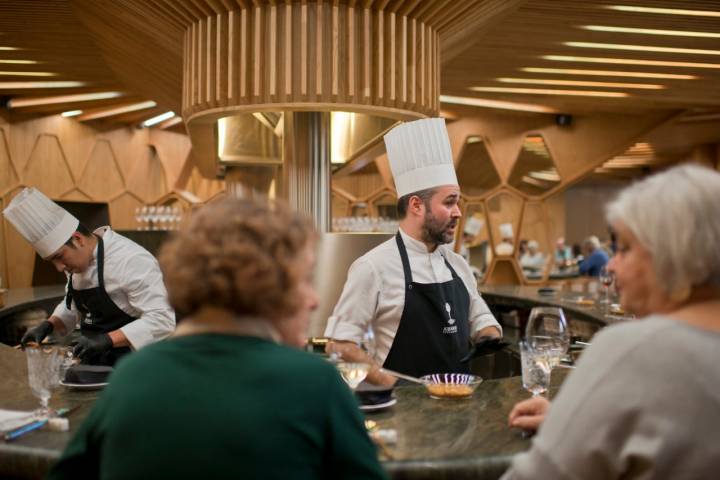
[(489, 345), (529, 414), (37, 334), (90, 346)]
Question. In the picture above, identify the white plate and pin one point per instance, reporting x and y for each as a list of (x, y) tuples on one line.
[(83, 386), (378, 406)]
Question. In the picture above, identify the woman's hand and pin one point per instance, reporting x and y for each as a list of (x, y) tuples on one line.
[(529, 414)]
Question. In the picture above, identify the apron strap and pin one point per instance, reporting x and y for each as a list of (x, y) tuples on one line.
[(69, 294), (405, 260), (101, 262)]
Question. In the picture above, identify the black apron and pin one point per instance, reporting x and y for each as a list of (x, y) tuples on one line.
[(434, 330), (99, 314)]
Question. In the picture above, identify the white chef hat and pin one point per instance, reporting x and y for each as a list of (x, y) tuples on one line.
[(506, 230), (473, 225), (42, 222), (420, 156)]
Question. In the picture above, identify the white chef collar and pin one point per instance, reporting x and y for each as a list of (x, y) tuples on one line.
[(416, 245)]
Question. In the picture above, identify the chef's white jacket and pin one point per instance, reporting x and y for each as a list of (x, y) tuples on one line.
[(134, 282), (374, 292)]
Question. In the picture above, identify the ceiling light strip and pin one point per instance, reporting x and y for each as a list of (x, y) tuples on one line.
[(641, 48), (629, 61), (608, 73), (18, 62), (49, 84), (546, 91), (71, 113), (158, 118), (27, 74), (579, 83), (80, 97), (663, 11), (118, 111), (499, 104), (650, 31)]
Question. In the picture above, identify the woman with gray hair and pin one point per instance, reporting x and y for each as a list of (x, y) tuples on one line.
[(644, 398)]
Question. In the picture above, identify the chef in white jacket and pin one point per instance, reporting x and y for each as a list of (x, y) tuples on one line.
[(115, 288), (419, 296)]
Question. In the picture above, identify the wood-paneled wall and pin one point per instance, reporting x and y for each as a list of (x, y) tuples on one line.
[(68, 160)]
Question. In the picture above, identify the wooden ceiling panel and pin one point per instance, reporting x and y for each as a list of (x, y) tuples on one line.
[(542, 27)]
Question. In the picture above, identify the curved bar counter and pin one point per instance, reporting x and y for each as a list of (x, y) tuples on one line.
[(435, 438)]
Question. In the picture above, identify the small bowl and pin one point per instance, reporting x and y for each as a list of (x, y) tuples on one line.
[(370, 394), (451, 385)]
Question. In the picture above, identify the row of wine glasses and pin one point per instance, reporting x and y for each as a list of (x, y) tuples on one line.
[(151, 217), (364, 224)]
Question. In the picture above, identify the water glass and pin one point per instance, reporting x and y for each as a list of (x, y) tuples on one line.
[(45, 366), (606, 278), (535, 369)]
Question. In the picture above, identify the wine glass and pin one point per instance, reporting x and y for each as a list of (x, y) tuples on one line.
[(536, 369), (352, 363), (44, 369), (547, 331), (606, 278)]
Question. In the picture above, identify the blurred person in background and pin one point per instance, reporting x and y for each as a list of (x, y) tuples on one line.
[(533, 260), (563, 253), (643, 400), (228, 395), (595, 258)]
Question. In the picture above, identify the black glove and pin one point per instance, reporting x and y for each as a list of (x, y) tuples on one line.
[(485, 346), (489, 345), (37, 334), (91, 346)]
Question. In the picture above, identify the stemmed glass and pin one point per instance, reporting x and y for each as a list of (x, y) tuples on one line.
[(535, 369), (353, 366), (547, 331), (45, 366), (606, 278)]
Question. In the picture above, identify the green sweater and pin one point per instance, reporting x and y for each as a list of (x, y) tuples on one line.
[(220, 406)]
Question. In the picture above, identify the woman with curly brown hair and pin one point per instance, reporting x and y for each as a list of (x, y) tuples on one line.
[(225, 397)]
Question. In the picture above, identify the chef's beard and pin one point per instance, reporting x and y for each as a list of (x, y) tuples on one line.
[(436, 232)]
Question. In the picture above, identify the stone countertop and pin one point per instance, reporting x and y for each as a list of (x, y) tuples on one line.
[(455, 439), (436, 438), (528, 297), (31, 455)]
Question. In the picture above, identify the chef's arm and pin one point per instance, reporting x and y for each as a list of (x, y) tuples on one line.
[(58, 325), (490, 331), (119, 339), (146, 293), (350, 352)]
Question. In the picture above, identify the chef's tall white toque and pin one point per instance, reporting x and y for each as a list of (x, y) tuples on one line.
[(473, 226), (506, 230), (42, 222), (420, 156)]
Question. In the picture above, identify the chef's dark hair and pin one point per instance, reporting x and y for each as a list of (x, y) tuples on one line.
[(404, 201), (82, 230)]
